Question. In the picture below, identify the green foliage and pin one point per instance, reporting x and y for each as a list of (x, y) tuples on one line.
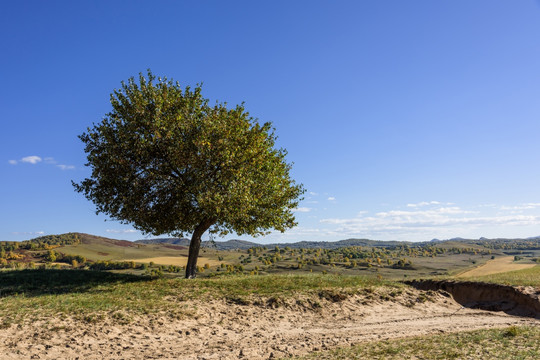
[(62, 239), (50, 256), (113, 265), (166, 161)]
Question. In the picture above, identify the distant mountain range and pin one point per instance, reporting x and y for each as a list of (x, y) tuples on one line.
[(243, 245), (73, 238)]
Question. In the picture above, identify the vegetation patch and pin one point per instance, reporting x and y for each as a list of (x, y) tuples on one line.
[(515, 342), (90, 295)]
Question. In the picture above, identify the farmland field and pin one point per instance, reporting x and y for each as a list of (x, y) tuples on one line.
[(495, 266)]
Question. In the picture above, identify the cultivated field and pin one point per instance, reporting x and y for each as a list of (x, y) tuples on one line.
[(495, 266)]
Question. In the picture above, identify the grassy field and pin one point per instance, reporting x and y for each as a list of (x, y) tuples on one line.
[(395, 262), (495, 266), (516, 342), (176, 260), (525, 277)]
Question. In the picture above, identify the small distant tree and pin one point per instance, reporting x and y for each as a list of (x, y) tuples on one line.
[(167, 162), (51, 256)]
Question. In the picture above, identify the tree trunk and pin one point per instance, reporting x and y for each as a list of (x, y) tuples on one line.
[(195, 246)]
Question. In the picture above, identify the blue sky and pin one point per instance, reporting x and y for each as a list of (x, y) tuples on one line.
[(406, 120)]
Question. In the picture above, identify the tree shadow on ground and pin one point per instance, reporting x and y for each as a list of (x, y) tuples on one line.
[(52, 281)]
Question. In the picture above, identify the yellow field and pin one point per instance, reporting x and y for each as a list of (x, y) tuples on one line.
[(176, 260), (495, 266)]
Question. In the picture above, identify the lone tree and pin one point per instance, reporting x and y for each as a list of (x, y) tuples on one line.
[(167, 162)]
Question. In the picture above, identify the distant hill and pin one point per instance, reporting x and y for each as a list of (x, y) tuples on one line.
[(172, 241), (220, 245), (88, 239), (243, 244)]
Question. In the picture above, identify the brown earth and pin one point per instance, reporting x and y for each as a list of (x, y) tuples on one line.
[(251, 328), (513, 300)]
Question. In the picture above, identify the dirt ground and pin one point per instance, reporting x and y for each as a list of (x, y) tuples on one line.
[(273, 329), (495, 266)]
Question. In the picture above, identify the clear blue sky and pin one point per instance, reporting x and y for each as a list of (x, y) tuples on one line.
[(406, 120)]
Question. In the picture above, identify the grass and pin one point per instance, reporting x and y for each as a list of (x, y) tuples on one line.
[(287, 261), (498, 265), (525, 277), (32, 294), (515, 342)]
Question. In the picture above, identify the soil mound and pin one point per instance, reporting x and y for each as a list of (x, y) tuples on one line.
[(520, 301)]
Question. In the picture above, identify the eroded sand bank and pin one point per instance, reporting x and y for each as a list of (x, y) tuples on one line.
[(270, 328)]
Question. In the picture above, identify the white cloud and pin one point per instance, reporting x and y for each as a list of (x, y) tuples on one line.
[(31, 159), (116, 231), (430, 222), (313, 193), (526, 206), (331, 198), (34, 159), (302, 209)]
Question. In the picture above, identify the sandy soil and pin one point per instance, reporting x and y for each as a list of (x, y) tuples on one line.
[(225, 330), (176, 260), (495, 266)]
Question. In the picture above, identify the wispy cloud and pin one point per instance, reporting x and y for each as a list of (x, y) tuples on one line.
[(430, 221), (117, 231), (526, 206), (34, 159), (31, 159), (423, 203), (313, 193), (302, 209), (331, 198)]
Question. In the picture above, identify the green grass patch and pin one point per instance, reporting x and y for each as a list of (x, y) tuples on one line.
[(515, 342)]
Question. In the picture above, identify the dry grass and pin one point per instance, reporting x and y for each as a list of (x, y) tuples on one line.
[(176, 260), (496, 266), (526, 277)]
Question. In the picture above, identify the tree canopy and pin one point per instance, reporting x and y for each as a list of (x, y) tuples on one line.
[(168, 162)]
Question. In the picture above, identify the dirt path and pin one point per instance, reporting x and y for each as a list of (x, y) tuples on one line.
[(221, 330), (495, 266)]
